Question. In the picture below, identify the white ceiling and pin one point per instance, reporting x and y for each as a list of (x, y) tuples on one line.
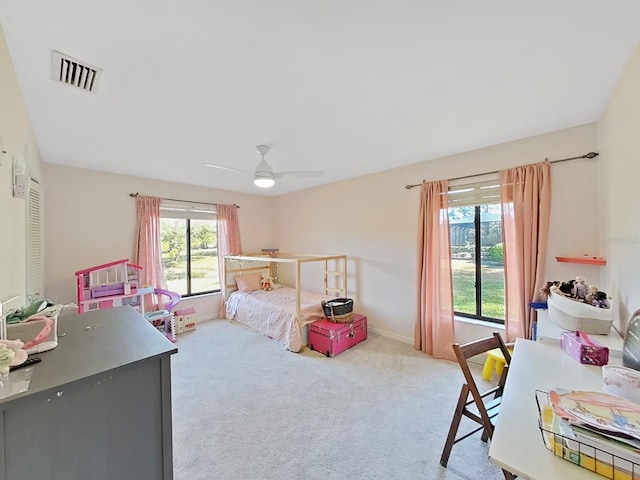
[(350, 87)]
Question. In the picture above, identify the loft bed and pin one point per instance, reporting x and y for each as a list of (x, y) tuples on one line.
[(285, 312)]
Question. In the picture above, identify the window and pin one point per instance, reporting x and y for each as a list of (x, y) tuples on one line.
[(477, 262), (189, 247)]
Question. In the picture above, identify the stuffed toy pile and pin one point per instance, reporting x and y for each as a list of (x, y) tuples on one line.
[(577, 289)]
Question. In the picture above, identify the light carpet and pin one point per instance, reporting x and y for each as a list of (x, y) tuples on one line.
[(245, 408)]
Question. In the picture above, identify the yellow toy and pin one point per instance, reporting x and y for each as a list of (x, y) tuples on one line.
[(495, 360)]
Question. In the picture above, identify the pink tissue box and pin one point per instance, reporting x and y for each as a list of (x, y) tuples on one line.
[(584, 349)]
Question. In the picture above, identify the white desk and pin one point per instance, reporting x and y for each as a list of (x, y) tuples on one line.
[(549, 332), (517, 444)]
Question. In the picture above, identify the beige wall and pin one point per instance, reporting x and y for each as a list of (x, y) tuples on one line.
[(17, 139), (373, 219), (619, 143), (90, 220)]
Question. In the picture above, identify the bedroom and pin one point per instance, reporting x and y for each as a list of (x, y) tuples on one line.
[(594, 210), (382, 256), (383, 259)]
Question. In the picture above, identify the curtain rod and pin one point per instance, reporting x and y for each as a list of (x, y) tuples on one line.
[(587, 155), (134, 195)]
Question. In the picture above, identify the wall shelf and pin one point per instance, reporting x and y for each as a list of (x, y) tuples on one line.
[(585, 259)]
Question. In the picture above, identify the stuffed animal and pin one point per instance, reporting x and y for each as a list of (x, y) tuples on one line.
[(600, 300), (591, 292), (546, 290), (568, 288), (580, 289), (11, 353), (267, 283)]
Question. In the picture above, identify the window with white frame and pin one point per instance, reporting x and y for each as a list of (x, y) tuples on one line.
[(477, 261), (189, 247)]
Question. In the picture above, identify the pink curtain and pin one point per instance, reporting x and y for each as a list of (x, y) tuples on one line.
[(148, 247), (525, 193), (434, 331), (228, 244)]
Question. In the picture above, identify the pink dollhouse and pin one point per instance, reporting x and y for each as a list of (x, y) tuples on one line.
[(111, 285)]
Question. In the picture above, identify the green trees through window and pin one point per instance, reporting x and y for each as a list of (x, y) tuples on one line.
[(190, 255), (477, 262)]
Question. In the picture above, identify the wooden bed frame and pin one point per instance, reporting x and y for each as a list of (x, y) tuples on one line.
[(335, 270)]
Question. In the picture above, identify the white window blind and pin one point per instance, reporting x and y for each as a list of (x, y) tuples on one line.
[(183, 209), (480, 190), (34, 242)]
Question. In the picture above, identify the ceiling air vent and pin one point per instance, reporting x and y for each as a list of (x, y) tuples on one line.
[(69, 70)]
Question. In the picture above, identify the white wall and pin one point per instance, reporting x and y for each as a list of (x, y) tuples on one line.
[(374, 220), (90, 220), (17, 139), (619, 143)]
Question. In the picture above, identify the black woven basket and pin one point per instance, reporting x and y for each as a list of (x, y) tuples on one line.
[(337, 306)]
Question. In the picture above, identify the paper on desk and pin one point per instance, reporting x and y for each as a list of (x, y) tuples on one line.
[(603, 411)]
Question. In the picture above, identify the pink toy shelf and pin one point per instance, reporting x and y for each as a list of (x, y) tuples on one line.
[(110, 285)]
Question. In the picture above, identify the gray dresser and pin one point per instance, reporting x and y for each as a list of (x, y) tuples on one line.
[(98, 407)]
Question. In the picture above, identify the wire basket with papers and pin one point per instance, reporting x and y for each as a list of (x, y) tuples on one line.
[(593, 430)]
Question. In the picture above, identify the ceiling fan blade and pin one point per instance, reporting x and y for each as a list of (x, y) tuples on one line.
[(222, 167), (301, 173)]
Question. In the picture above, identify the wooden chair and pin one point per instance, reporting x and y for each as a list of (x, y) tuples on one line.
[(481, 407)]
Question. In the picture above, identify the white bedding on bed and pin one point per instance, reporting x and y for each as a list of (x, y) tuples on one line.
[(274, 313)]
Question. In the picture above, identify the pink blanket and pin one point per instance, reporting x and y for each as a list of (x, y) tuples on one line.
[(274, 313)]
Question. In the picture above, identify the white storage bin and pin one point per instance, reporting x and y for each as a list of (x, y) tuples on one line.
[(572, 315), (32, 333)]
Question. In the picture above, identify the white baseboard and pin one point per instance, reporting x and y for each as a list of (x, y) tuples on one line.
[(378, 331), (395, 336)]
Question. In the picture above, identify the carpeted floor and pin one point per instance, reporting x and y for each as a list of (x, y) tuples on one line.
[(245, 408)]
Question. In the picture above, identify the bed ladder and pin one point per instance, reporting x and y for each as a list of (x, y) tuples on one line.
[(335, 277)]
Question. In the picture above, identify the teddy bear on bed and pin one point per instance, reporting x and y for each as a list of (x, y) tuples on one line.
[(267, 283)]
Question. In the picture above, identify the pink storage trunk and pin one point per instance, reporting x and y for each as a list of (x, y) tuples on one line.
[(333, 338)]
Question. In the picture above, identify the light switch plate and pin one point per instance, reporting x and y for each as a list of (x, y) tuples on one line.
[(21, 186)]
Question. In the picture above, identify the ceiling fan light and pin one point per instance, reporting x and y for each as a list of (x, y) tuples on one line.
[(264, 181)]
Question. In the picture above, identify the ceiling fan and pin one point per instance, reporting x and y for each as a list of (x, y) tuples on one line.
[(264, 176)]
